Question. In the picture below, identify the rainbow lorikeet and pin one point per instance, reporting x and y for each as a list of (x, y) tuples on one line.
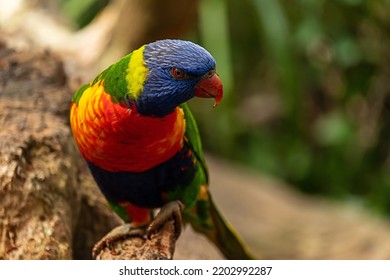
[(141, 142)]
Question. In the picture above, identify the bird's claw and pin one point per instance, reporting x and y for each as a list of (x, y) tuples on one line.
[(118, 233), (171, 210)]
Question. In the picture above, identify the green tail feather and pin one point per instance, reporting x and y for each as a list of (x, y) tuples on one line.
[(223, 236)]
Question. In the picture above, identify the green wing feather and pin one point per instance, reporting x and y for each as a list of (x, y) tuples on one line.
[(193, 139), (205, 217), (189, 194)]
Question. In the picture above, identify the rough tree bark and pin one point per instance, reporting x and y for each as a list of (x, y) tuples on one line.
[(37, 175), (43, 194)]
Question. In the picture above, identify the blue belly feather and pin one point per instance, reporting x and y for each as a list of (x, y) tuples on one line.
[(149, 188)]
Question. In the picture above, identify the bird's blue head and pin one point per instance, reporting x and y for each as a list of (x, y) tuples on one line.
[(176, 72)]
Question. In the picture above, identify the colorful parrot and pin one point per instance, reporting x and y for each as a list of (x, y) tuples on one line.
[(142, 144)]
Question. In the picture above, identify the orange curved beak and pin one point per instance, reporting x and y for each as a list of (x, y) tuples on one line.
[(210, 86)]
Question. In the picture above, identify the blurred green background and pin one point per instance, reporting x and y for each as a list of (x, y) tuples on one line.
[(307, 86)]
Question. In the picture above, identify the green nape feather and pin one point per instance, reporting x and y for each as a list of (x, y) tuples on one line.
[(114, 78)]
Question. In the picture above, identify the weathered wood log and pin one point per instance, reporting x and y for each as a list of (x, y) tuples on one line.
[(37, 175), (160, 246), (46, 211)]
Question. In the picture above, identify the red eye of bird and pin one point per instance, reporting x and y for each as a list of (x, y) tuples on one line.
[(178, 73)]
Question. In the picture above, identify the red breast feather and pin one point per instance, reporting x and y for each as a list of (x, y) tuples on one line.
[(116, 138)]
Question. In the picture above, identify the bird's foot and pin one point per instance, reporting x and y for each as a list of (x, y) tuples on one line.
[(171, 210), (118, 233)]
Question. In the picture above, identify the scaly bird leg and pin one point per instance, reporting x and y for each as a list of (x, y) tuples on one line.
[(171, 210), (118, 233)]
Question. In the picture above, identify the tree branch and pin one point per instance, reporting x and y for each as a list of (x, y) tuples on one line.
[(160, 246)]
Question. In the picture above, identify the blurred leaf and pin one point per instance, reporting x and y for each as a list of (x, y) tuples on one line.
[(298, 161), (347, 51), (334, 129), (353, 2), (82, 12), (308, 30), (215, 37), (277, 37)]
